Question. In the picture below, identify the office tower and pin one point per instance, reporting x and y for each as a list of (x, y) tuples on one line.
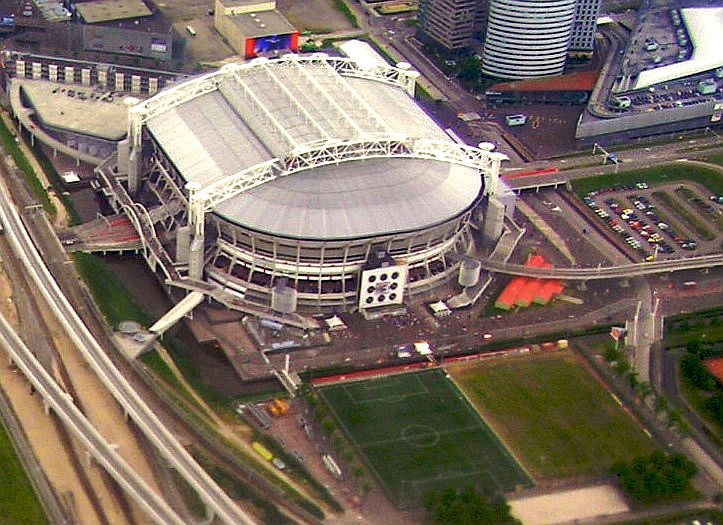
[(527, 38), (448, 23), (583, 30)]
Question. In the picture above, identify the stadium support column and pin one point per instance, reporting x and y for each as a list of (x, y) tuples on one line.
[(123, 153), (494, 220), (183, 244), (134, 151), (134, 169), (495, 215), (195, 255)]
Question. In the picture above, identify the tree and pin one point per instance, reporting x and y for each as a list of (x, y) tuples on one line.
[(714, 405), (467, 507), (693, 369), (469, 69), (655, 478)]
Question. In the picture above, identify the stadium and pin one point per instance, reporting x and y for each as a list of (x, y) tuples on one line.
[(305, 182)]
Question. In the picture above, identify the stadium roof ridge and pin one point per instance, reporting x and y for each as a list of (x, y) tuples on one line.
[(704, 25), (263, 110)]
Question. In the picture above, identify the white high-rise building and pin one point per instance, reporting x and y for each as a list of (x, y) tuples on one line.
[(527, 38)]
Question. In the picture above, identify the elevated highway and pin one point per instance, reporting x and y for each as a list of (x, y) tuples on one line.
[(103, 452), (604, 272), (133, 405)]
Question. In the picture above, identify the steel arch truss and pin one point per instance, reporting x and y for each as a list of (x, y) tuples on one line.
[(205, 199), (177, 95)]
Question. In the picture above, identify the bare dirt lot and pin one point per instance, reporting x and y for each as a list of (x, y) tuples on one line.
[(317, 16), (569, 505)]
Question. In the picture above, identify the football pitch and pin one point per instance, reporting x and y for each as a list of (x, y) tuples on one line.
[(559, 421), (418, 434)]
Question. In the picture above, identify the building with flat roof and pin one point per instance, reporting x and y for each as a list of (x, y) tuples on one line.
[(448, 24), (669, 79), (306, 181), (130, 28), (111, 10), (254, 28)]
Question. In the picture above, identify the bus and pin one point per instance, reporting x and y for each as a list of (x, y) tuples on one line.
[(191, 31), (515, 120), (262, 451)]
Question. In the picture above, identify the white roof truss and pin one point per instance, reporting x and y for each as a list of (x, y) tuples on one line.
[(205, 199), (368, 116), (298, 106), (258, 117)]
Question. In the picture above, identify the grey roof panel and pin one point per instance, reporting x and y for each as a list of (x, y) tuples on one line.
[(206, 140), (398, 109), (356, 199)]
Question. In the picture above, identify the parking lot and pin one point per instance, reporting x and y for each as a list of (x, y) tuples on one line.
[(660, 222)]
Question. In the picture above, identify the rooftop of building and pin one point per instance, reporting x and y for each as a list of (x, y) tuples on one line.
[(217, 134), (704, 26), (579, 81), (261, 4), (110, 10), (262, 23), (84, 110)]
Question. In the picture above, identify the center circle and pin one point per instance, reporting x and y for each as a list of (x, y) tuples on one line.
[(420, 436)]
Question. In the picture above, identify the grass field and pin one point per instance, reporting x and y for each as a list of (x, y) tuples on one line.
[(708, 177), (18, 503), (418, 434), (555, 417)]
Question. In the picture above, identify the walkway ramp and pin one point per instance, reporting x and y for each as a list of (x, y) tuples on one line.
[(173, 315)]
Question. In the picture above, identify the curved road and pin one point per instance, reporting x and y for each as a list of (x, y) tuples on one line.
[(149, 423)]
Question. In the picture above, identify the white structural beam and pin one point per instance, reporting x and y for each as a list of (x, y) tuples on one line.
[(298, 106), (324, 94), (177, 95), (486, 163), (265, 114), (181, 308), (373, 117), (202, 200), (168, 99)]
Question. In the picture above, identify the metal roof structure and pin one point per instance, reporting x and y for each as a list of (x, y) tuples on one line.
[(357, 199), (704, 26), (364, 54), (247, 125)]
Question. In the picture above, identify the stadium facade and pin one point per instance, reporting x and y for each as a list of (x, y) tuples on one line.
[(302, 182)]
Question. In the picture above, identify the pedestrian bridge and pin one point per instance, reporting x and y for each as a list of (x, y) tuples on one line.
[(605, 272)]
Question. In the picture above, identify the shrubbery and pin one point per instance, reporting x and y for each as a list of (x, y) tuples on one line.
[(467, 507), (656, 478)]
